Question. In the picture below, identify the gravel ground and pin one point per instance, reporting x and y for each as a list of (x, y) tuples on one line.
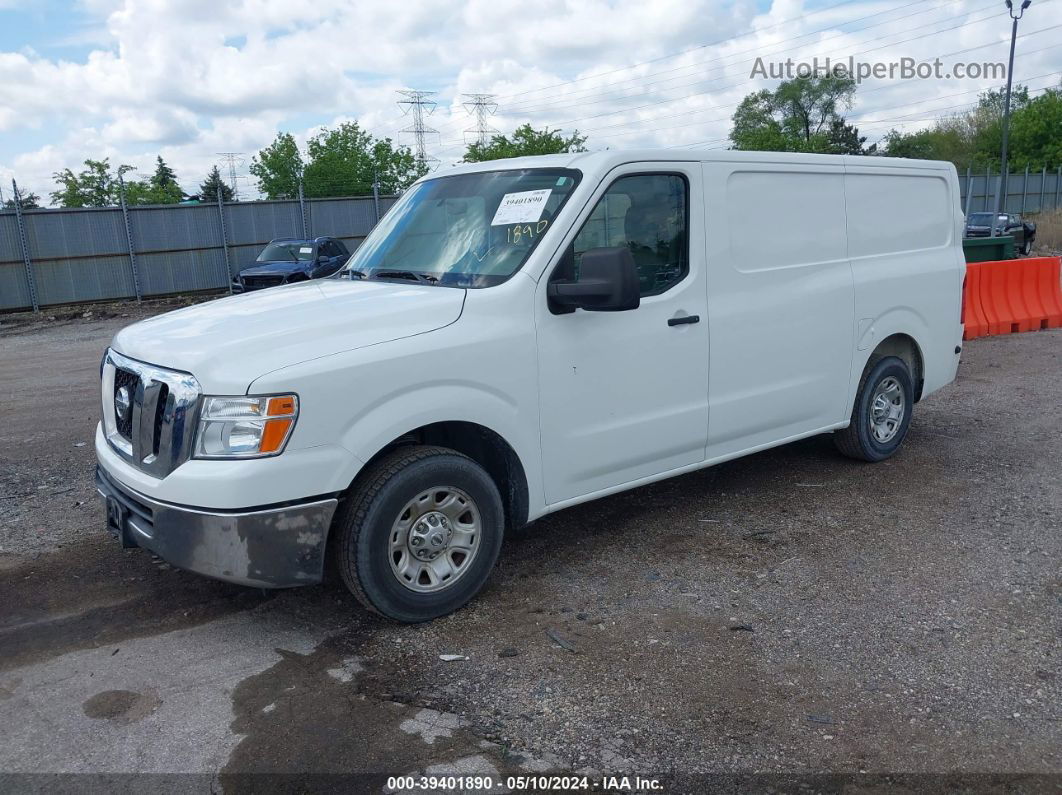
[(791, 612)]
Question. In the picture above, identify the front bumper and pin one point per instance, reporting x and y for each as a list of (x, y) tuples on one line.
[(267, 548)]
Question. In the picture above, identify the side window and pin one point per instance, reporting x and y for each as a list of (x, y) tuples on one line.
[(645, 213)]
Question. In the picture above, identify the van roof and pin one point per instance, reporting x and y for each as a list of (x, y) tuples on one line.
[(610, 158)]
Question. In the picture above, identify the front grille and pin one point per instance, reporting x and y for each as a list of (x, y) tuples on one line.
[(160, 413), (156, 434), (258, 282), (124, 378)]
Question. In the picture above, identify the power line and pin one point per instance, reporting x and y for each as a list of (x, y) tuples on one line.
[(524, 93), (685, 52), (598, 134), (416, 102), (902, 120), (757, 51), (481, 106), (740, 82), (704, 82), (597, 96)]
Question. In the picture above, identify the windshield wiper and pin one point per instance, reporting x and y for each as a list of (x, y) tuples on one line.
[(357, 274), (420, 277)]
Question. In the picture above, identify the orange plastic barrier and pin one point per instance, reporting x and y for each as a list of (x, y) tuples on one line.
[(1013, 295)]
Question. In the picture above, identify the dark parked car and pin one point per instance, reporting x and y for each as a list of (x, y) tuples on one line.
[(1024, 232), (289, 260)]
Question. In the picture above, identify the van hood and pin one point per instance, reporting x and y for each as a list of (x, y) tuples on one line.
[(228, 343)]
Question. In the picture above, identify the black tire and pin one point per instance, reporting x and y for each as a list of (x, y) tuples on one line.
[(1026, 248), (857, 440), (365, 521)]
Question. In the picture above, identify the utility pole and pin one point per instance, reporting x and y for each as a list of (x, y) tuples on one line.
[(234, 161), (481, 106), (1001, 200), (416, 102)]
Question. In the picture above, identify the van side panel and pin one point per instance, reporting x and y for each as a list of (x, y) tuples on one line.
[(905, 245), (780, 302)]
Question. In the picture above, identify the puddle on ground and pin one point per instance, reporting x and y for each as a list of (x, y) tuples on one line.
[(121, 706)]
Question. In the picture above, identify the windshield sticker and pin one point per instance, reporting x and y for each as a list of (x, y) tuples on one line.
[(514, 234), (521, 208), (306, 250)]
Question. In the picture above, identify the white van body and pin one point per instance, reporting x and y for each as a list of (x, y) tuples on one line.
[(800, 268)]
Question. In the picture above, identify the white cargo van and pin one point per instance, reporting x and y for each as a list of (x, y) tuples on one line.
[(519, 336)]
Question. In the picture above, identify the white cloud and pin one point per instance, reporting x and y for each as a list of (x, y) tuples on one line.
[(191, 79)]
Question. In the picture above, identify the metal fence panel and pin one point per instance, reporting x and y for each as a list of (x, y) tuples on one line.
[(175, 228), (261, 222), (69, 234), (98, 278), (344, 218), (1038, 192), (14, 290), (83, 254), (184, 272)]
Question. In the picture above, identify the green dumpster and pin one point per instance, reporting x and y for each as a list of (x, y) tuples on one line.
[(988, 249)]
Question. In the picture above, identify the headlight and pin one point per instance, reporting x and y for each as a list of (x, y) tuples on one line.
[(245, 427)]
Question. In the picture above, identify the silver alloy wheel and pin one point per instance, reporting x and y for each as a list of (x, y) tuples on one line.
[(887, 408), (435, 539)]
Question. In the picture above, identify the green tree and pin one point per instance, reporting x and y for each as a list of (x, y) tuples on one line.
[(279, 168), (800, 115), (974, 138), (160, 188), (344, 161), (94, 186), (208, 191), (525, 141), (30, 201), (1036, 132)]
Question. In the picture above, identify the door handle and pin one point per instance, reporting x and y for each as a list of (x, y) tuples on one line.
[(681, 321)]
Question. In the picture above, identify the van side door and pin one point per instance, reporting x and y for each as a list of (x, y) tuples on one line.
[(780, 302), (624, 395)]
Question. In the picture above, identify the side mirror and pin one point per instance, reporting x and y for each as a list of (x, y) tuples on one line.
[(608, 282)]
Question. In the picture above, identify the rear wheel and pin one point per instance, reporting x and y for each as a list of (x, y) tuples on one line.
[(420, 533), (882, 412)]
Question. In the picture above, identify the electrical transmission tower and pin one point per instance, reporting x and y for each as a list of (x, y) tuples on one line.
[(416, 102), (481, 106), (234, 161)]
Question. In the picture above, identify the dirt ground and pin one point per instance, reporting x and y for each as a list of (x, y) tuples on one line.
[(790, 613)]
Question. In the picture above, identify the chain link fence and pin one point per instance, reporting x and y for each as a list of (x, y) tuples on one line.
[(64, 256)]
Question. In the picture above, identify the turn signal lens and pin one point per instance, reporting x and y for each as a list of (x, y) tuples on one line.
[(245, 427)]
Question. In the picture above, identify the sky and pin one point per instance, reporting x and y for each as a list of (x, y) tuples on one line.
[(189, 79)]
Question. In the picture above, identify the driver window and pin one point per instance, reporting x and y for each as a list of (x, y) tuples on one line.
[(645, 213)]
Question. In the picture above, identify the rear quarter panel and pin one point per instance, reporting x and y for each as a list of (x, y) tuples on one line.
[(905, 245)]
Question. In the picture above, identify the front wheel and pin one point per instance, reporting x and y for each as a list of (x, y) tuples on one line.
[(420, 533), (882, 412), (1026, 248)]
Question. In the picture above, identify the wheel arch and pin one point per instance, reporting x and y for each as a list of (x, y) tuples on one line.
[(483, 445), (906, 348)]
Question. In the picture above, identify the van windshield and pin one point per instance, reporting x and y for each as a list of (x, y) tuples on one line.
[(465, 230)]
